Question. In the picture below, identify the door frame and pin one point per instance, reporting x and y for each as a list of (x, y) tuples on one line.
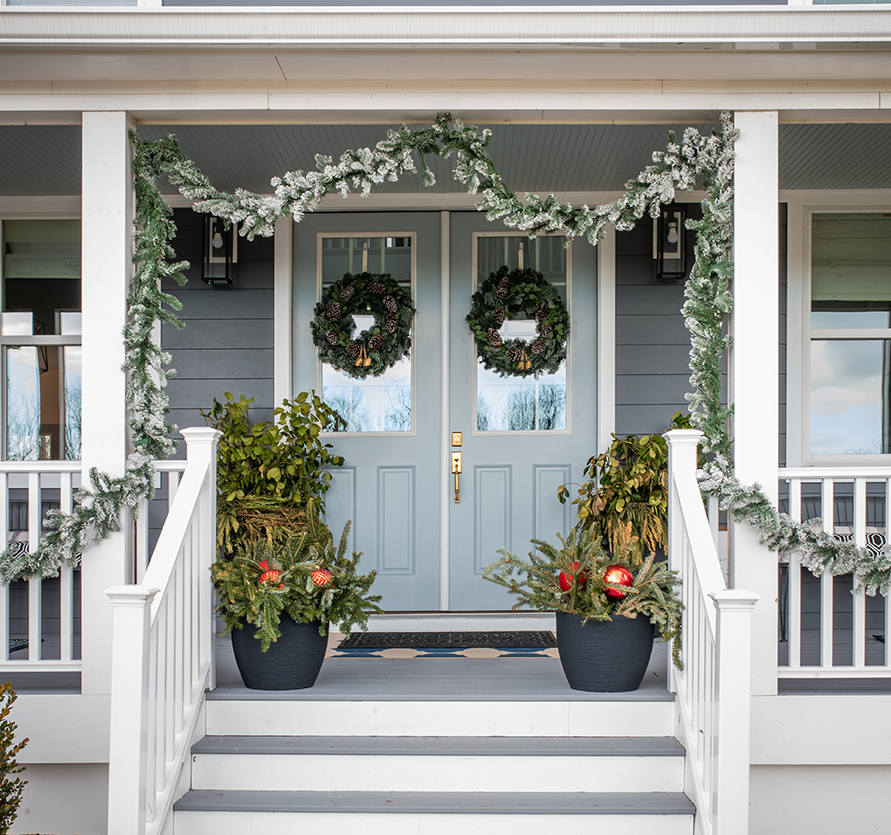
[(606, 352)]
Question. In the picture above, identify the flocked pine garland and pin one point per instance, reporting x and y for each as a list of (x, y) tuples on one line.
[(694, 159)]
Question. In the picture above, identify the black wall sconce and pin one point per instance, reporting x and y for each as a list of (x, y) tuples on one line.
[(669, 248), (220, 251)]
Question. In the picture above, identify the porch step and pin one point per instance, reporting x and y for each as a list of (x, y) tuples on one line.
[(303, 716), (433, 813), (427, 764)]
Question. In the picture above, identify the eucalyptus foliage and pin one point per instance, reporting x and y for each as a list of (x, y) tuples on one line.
[(11, 787)]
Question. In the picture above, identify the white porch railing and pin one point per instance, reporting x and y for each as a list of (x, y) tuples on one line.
[(162, 653), (23, 615), (823, 639), (165, 471), (713, 690)]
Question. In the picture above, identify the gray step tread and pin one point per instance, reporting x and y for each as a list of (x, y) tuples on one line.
[(658, 746), (528, 803)]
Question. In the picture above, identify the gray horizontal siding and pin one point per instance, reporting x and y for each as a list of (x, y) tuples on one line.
[(652, 344)]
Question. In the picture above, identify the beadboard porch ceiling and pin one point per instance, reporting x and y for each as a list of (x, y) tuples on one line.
[(45, 159)]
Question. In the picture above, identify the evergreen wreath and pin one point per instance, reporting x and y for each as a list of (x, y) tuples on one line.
[(374, 350), (519, 294), (686, 162)]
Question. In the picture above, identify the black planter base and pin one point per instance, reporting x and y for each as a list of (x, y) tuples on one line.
[(604, 656), (291, 663)]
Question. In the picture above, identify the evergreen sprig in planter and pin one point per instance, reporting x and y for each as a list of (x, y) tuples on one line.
[(609, 605), (278, 601)]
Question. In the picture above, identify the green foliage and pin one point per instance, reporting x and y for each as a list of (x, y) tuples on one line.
[(581, 556), (289, 589), (11, 788), (628, 486), (267, 472)]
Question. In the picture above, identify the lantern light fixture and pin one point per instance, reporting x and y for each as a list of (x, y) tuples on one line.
[(220, 251), (669, 248)]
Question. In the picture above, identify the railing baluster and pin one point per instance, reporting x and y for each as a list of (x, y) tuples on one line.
[(858, 606), (827, 585), (4, 590), (35, 585), (793, 615)]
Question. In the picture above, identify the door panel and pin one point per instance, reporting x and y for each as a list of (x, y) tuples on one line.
[(389, 486), (512, 494)]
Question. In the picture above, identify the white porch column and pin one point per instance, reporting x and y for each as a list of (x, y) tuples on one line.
[(107, 219), (754, 370)]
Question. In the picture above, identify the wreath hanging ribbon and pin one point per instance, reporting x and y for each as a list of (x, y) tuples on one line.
[(374, 350), (519, 294)]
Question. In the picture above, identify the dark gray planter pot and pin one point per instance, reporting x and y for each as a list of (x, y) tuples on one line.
[(604, 656), (291, 663)]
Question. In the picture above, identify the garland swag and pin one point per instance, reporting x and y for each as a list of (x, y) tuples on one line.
[(374, 350), (519, 294), (693, 159)]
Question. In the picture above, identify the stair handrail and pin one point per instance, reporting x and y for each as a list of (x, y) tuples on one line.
[(713, 691), (162, 652)]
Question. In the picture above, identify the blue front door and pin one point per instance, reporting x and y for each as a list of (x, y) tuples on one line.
[(520, 438)]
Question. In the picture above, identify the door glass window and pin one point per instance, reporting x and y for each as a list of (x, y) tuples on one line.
[(850, 336), (521, 404), (375, 404), (40, 333)]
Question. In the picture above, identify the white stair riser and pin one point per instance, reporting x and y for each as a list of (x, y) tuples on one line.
[(450, 718), (429, 773), (287, 823)]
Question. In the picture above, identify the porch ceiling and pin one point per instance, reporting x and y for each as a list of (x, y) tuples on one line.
[(45, 160)]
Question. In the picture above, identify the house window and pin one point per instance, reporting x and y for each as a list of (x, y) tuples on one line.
[(850, 334), (40, 340)]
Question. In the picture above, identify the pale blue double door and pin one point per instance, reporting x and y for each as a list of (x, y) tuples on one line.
[(521, 437)]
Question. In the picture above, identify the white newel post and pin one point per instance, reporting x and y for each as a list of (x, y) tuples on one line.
[(131, 607), (107, 219), (734, 656), (201, 449), (754, 371)]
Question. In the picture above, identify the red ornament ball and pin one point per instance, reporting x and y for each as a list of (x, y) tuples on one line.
[(619, 575), (270, 577), (568, 580), (321, 577)]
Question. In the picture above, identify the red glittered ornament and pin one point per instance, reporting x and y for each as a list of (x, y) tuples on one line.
[(567, 580), (620, 576), (321, 577)]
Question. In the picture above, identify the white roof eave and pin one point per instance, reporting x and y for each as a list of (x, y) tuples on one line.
[(718, 27)]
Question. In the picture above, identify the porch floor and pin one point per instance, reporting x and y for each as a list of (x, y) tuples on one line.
[(438, 679)]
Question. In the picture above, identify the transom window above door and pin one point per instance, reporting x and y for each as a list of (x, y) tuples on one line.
[(522, 404), (373, 404)]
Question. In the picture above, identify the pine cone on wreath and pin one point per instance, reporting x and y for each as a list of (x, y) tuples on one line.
[(376, 287), (538, 346), (331, 336), (503, 288), (546, 329), (541, 312), (514, 354), (376, 342), (498, 315), (334, 312), (347, 293), (390, 303), (392, 322), (353, 350), (495, 339)]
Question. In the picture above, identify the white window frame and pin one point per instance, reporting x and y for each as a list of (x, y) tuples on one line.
[(802, 206), (16, 341)]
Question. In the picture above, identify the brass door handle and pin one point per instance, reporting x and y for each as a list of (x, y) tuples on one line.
[(456, 469)]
